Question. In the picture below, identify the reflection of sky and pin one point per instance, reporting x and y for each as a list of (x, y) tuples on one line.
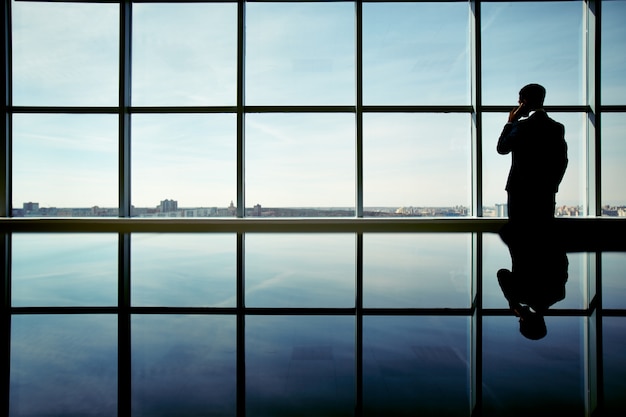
[(63, 365), (298, 53), (525, 377), (64, 270), (196, 270)]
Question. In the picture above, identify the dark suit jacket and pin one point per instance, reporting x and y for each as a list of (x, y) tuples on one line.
[(539, 153)]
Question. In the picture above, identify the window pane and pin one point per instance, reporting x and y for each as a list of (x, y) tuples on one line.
[(496, 256), (415, 53), (65, 54), (614, 361), (300, 53), (613, 283), (532, 42), (613, 155), (416, 164), (63, 365), (184, 54), (187, 159), (296, 161), (416, 270), (66, 163), (183, 270), (64, 269), (183, 365), (416, 366), (312, 270), (569, 199), (526, 377), (300, 366), (613, 63)]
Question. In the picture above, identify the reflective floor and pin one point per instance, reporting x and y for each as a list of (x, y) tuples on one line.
[(411, 347)]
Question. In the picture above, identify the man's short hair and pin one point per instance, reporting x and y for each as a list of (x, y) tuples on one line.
[(534, 94)]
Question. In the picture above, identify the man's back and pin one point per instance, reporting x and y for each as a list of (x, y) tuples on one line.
[(539, 153)]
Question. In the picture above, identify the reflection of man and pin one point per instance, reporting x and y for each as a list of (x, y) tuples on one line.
[(537, 277), (539, 156)]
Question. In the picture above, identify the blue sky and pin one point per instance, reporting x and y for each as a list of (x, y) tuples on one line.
[(296, 54)]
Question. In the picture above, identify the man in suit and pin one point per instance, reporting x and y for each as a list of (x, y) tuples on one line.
[(539, 157)]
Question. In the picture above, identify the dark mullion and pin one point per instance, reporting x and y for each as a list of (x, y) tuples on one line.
[(5, 211), (5, 161), (476, 76), (124, 328), (241, 211), (241, 328), (123, 109), (241, 53), (124, 317), (476, 332), (359, 107), (359, 326), (5, 324)]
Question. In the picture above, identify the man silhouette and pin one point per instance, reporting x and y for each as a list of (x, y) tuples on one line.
[(539, 157)]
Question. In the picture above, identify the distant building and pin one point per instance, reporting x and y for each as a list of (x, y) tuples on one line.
[(30, 206), (167, 206), (232, 210)]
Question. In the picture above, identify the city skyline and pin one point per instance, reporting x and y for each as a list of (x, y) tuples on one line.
[(413, 54)]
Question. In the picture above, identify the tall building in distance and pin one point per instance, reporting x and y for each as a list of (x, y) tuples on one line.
[(167, 206), (502, 210)]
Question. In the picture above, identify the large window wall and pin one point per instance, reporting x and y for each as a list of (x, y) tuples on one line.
[(369, 128), (301, 108)]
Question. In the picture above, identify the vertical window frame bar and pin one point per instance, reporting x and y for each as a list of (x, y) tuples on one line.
[(7, 101), (124, 396), (241, 121), (358, 5), (124, 364), (476, 96), (124, 167)]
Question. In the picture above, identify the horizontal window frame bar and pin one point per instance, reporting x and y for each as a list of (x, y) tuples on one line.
[(304, 311), (250, 225), (298, 109), (288, 225)]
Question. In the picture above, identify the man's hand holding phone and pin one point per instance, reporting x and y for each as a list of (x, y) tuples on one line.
[(517, 112)]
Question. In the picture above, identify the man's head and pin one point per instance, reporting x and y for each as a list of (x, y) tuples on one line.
[(532, 96)]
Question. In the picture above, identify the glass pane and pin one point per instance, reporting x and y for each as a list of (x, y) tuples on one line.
[(184, 365), (65, 54), (64, 269), (300, 165), (613, 61), (416, 366), (184, 165), (300, 53), (416, 270), (614, 361), (517, 50), (65, 165), (613, 155), (415, 53), (312, 270), (569, 199), (550, 266), (183, 270), (613, 282), (63, 365), (184, 54), (416, 164), (523, 377), (300, 366)]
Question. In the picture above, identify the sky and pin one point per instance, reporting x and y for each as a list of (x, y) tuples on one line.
[(66, 54)]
